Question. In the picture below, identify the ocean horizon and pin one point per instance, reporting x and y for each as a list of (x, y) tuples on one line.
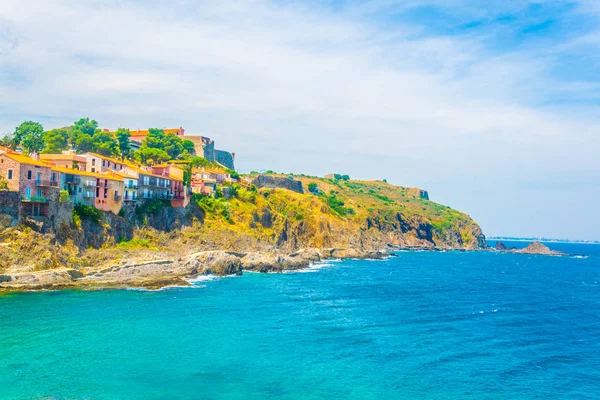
[(422, 325)]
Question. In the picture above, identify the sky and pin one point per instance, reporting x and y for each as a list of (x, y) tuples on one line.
[(492, 106)]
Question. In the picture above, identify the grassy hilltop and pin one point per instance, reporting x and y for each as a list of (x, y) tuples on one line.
[(338, 213)]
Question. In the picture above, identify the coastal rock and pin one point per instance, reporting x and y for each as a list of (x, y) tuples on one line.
[(355, 253), (539, 248), (214, 262), (41, 279), (501, 246), (264, 262), (309, 255)]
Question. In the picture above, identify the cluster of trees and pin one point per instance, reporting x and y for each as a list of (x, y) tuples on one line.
[(339, 177), (84, 135), (159, 147)]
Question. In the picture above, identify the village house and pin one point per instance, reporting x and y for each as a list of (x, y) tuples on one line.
[(130, 185), (152, 186), (100, 164), (67, 159), (31, 179), (176, 175), (109, 192), (203, 183), (80, 185)]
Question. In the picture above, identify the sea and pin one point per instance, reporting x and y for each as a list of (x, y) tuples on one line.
[(421, 325)]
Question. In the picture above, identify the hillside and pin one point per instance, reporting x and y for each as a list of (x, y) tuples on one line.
[(353, 214), (262, 226)]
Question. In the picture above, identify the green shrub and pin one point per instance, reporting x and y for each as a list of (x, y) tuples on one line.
[(337, 205), (87, 212), (152, 207), (313, 187), (64, 196), (215, 206), (134, 243)]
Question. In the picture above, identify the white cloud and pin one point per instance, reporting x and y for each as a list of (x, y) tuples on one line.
[(299, 87)]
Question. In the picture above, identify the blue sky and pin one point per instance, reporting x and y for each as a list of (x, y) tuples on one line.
[(491, 106)]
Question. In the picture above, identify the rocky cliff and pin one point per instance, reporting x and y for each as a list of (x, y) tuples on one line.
[(341, 219)]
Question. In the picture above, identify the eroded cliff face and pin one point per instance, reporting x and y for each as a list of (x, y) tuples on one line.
[(354, 216)]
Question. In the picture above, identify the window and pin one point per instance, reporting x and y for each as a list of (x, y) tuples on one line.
[(93, 163), (103, 163), (28, 174), (93, 169), (28, 193), (53, 177), (10, 172), (39, 192)]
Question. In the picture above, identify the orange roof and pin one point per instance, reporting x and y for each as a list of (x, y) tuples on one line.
[(175, 178), (20, 158), (124, 175), (115, 160), (73, 157), (148, 173), (74, 172), (144, 132), (111, 176)]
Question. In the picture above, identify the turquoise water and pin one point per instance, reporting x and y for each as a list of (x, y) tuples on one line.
[(419, 326)]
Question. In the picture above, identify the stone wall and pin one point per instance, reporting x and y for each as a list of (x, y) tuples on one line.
[(203, 147), (7, 164), (269, 181), (225, 158), (10, 204)]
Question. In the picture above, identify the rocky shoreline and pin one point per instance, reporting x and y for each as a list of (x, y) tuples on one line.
[(162, 272)]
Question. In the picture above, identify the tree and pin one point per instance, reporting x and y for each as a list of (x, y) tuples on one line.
[(149, 155), (33, 141), (123, 136), (81, 134), (197, 162), (337, 177), (313, 188), (85, 125), (172, 144), (345, 177), (3, 183), (155, 138), (84, 143), (105, 143), (188, 146), (7, 140), (26, 128), (56, 140)]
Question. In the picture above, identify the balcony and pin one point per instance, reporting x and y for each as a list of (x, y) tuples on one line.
[(89, 195), (45, 183), (72, 180), (117, 197), (130, 198), (34, 199), (131, 186), (89, 183), (178, 196)]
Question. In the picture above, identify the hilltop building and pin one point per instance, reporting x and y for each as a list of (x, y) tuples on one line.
[(203, 146)]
